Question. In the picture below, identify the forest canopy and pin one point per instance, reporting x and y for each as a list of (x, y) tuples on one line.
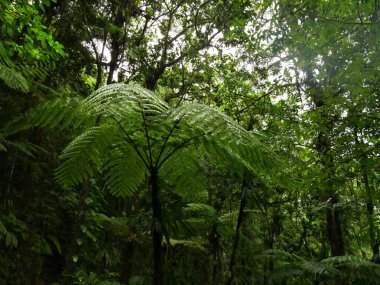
[(189, 142)]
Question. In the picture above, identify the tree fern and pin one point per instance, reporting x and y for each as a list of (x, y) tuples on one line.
[(129, 133)]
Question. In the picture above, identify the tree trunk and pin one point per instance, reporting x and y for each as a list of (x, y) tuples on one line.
[(369, 204), (323, 148), (215, 254), (334, 228), (158, 274), (237, 234)]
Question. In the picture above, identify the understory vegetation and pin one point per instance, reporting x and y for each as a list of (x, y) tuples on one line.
[(189, 142)]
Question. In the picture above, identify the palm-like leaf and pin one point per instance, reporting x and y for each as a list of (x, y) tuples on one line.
[(128, 129), (83, 155), (125, 172)]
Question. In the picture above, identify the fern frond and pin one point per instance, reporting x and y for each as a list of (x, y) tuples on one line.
[(125, 172), (186, 243), (225, 137), (84, 155), (120, 100), (319, 268), (3, 141), (350, 260), (182, 172), (278, 253), (58, 113), (13, 79), (355, 267), (202, 209)]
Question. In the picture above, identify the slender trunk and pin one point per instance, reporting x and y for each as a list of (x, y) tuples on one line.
[(370, 210), (121, 16), (215, 253), (158, 274), (237, 235), (216, 200), (323, 148), (98, 75), (369, 204), (113, 65), (334, 228)]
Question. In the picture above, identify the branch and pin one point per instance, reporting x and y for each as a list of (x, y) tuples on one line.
[(195, 50), (361, 23)]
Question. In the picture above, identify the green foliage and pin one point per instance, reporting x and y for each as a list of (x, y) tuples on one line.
[(292, 267), (13, 79), (11, 230), (24, 35), (81, 277), (137, 128)]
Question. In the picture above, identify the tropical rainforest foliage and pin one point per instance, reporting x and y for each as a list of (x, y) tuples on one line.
[(189, 142)]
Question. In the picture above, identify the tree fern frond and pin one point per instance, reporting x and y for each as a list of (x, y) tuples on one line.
[(277, 253), (13, 79), (61, 113), (202, 209), (187, 243), (120, 100), (83, 155), (182, 172), (319, 268), (34, 71), (125, 172), (350, 260), (222, 134), (3, 141)]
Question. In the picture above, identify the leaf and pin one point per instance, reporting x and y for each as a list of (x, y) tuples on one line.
[(13, 79)]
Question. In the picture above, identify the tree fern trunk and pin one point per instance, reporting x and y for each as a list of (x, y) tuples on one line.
[(158, 274), (237, 235)]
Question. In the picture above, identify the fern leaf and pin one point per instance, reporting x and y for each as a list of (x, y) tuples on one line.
[(319, 268), (13, 79), (121, 100), (182, 172), (187, 243), (125, 171), (224, 135), (83, 155), (200, 208), (2, 143), (60, 112)]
